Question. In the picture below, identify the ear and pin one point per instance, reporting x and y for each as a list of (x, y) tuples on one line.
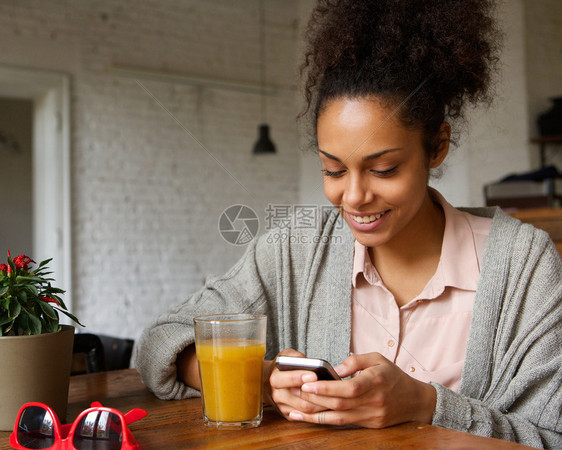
[(443, 147)]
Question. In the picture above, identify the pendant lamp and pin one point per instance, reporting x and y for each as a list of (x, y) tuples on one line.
[(264, 143)]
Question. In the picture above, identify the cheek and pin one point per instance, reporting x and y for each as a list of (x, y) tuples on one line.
[(408, 189)]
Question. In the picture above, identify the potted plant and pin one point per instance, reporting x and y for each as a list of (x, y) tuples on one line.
[(35, 350)]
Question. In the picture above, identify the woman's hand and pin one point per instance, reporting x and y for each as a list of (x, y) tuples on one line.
[(378, 396), (282, 388), (188, 368)]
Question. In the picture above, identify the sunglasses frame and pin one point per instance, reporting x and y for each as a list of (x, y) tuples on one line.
[(64, 434)]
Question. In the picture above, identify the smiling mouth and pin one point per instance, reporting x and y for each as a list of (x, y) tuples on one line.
[(367, 219)]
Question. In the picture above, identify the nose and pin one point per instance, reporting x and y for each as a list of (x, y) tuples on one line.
[(358, 192)]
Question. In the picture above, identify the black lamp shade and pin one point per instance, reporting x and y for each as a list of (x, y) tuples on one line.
[(264, 144)]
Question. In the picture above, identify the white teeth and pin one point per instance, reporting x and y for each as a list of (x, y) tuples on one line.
[(367, 219)]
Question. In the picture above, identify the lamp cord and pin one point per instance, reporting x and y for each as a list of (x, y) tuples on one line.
[(262, 62)]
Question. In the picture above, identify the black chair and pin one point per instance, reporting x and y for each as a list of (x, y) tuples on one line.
[(118, 352), (88, 354), (98, 353)]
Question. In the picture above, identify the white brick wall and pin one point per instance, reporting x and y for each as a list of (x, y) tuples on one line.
[(146, 197)]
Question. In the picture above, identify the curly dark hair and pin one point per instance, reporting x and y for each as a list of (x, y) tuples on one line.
[(428, 56)]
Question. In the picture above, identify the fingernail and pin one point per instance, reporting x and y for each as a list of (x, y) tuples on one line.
[(311, 387), (295, 415), (340, 369), (308, 377)]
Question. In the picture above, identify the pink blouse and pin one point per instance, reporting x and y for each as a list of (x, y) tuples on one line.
[(426, 337)]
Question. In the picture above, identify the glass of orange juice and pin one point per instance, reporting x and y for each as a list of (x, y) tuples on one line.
[(230, 350)]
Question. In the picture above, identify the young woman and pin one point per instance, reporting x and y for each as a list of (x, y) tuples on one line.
[(432, 314)]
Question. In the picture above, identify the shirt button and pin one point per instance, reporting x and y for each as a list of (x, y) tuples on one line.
[(412, 369), (390, 343)]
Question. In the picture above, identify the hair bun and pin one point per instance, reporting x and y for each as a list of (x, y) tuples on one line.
[(389, 48)]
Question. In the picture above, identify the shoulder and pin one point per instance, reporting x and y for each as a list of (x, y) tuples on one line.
[(505, 227), (514, 248), (302, 237)]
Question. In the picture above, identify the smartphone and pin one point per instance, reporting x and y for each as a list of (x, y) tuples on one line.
[(322, 369)]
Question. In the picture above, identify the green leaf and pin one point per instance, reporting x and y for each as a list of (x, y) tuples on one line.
[(22, 323), (24, 279), (42, 271), (3, 290), (34, 323), (14, 309), (44, 263), (5, 319), (6, 302), (12, 265), (47, 309), (56, 290), (66, 313), (32, 289), (8, 329), (61, 303), (50, 326), (22, 296)]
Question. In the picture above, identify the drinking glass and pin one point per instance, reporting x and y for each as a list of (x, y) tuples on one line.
[(230, 350)]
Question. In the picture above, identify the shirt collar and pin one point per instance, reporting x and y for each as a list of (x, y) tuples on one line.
[(458, 265), (362, 265)]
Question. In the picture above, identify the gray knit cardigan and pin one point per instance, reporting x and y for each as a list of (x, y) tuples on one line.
[(511, 380)]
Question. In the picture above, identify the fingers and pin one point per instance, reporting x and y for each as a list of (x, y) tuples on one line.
[(291, 352), (355, 363), (285, 388), (287, 400), (338, 418), (350, 388), (348, 394), (290, 378)]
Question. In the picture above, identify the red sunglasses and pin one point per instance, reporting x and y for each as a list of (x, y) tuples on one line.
[(98, 427)]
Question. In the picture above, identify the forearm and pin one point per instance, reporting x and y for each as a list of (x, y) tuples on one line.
[(156, 353), (462, 413)]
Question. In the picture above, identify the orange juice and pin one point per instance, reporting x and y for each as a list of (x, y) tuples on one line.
[(231, 378)]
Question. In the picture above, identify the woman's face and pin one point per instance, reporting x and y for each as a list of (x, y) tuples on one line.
[(375, 171)]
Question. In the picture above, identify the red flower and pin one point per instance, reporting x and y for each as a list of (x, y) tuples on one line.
[(22, 262), (50, 300), (3, 268)]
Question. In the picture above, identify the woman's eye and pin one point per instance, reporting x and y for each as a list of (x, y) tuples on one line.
[(329, 173), (384, 173)]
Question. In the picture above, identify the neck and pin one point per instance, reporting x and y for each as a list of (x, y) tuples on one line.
[(419, 241)]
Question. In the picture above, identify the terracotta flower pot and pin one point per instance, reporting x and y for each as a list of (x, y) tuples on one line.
[(34, 369)]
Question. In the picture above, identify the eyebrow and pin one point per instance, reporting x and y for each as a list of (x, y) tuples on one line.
[(365, 158)]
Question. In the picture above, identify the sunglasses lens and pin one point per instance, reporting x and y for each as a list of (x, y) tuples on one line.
[(98, 430), (35, 428)]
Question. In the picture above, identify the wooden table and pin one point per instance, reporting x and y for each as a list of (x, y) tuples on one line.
[(179, 424)]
